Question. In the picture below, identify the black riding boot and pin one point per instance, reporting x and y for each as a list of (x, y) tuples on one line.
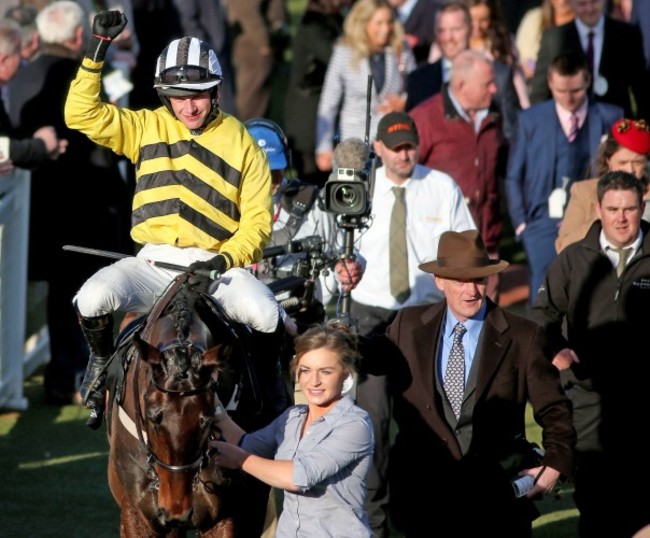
[(99, 335)]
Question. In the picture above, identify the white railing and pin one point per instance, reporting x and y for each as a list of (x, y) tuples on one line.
[(18, 359)]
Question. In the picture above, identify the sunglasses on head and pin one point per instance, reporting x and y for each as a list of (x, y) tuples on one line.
[(185, 73)]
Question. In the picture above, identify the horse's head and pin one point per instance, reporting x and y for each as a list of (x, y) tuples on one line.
[(177, 407)]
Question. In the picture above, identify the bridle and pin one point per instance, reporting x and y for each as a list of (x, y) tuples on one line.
[(152, 458)]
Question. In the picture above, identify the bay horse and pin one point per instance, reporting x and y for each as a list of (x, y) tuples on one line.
[(161, 403)]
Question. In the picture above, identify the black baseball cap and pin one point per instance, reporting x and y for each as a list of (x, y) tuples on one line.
[(397, 128)]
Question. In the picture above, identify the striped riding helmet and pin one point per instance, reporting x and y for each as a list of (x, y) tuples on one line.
[(186, 66)]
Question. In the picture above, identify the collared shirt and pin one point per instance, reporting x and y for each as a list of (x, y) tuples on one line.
[(613, 256), (470, 340), (565, 116), (446, 69), (478, 117), (330, 465), (599, 34), (434, 205)]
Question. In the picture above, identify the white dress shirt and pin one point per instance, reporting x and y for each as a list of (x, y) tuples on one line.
[(434, 204)]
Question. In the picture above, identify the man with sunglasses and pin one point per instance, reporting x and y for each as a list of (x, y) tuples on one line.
[(202, 196)]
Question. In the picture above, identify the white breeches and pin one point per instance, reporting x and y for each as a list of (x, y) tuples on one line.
[(134, 284)]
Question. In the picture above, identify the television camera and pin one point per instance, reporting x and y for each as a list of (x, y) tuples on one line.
[(295, 289), (346, 194)]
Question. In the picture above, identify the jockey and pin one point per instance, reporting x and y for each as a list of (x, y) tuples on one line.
[(202, 196)]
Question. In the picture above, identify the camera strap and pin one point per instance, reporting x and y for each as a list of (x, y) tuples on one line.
[(297, 199)]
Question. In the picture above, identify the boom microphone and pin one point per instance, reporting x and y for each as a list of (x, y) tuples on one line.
[(312, 242)]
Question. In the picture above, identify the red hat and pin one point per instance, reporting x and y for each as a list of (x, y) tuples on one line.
[(633, 135)]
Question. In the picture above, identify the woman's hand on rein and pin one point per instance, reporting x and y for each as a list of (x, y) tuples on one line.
[(226, 455)]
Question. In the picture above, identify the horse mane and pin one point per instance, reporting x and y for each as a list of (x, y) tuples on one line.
[(181, 310)]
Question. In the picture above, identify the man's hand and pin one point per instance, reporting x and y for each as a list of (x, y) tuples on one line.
[(565, 359), (545, 480), (204, 278), (392, 103), (520, 229), (349, 273), (53, 145), (324, 160), (107, 25)]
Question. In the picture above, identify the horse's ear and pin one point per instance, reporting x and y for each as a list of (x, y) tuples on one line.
[(147, 352), (211, 356)]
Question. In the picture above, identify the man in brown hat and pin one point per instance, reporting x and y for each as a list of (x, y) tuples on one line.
[(461, 373)]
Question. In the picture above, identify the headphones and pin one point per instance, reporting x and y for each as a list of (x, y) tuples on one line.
[(263, 123)]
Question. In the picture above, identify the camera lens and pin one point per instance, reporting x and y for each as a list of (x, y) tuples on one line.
[(346, 196)]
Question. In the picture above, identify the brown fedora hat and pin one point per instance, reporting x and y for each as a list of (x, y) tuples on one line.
[(463, 255)]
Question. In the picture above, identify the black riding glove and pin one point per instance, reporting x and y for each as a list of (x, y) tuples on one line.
[(203, 273), (107, 25)]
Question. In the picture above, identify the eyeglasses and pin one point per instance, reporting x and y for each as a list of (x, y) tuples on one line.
[(185, 73)]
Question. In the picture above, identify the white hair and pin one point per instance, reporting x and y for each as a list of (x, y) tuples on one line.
[(58, 22)]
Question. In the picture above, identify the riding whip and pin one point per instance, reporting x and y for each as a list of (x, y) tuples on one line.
[(118, 256)]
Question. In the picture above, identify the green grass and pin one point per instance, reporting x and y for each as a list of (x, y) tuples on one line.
[(53, 473)]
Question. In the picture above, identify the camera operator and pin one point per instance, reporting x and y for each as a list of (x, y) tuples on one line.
[(434, 204), (297, 220)]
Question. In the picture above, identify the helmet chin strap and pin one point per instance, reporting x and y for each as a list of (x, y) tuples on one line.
[(214, 112)]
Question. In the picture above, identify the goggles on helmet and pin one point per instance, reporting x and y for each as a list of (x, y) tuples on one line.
[(186, 73)]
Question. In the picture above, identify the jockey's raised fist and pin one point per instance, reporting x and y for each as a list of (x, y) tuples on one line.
[(109, 24)]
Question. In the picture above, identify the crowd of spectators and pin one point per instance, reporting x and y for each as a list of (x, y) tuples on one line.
[(517, 104)]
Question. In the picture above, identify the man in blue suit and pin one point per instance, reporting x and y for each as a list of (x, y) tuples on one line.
[(556, 143)]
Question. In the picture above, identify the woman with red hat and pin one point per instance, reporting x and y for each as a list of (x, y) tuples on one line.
[(626, 148)]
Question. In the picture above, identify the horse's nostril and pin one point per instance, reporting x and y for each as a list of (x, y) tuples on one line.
[(162, 516), (169, 522)]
